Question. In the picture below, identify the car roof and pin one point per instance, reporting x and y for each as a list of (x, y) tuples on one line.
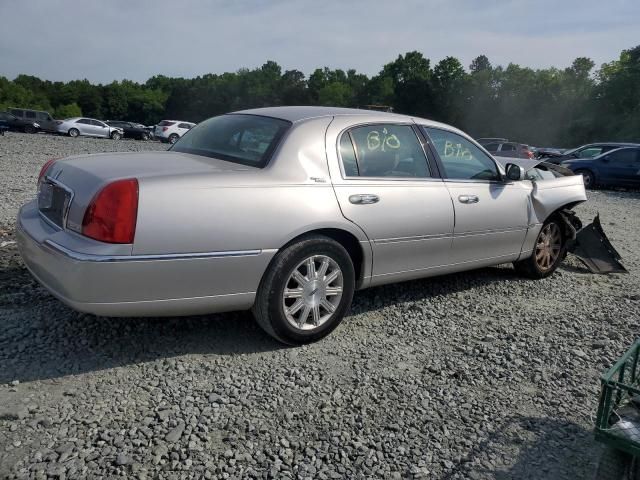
[(621, 144), (296, 114)]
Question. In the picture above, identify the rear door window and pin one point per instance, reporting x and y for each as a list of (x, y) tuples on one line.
[(492, 147), (384, 150), (508, 147), (590, 152)]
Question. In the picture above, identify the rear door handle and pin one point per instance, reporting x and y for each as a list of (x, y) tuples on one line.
[(468, 199), (364, 199)]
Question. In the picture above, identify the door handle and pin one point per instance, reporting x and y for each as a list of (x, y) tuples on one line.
[(468, 199), (364, 199)]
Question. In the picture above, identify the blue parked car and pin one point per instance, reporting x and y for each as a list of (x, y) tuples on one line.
[(619, 167)]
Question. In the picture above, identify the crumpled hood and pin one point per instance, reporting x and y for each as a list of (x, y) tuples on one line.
[(529, 163)]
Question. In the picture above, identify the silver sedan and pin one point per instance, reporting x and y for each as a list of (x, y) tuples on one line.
[(287, 211), (90, 127)]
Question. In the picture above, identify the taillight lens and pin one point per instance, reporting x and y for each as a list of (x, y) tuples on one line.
[(45, 167), (112, 214), (164, 129), (529, 153)]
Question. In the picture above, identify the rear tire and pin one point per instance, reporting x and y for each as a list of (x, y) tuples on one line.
[(74, 132), (173, 138), (29, 129), (548, 252), (588, 177), (298, 303)]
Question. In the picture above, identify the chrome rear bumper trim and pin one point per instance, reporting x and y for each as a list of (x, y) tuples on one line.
[(86, 257)]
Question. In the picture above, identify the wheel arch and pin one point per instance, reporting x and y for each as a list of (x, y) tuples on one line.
[(358, 249)]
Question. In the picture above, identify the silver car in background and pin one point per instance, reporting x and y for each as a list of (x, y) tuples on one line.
[(90, 127), (287, 211)]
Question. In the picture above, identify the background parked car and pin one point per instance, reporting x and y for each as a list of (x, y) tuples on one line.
[(17, 124), (89, 127), (586, 151), (484, 141), (42, 118), (509, 149), (171, 130), (131, 130), (620, 167)]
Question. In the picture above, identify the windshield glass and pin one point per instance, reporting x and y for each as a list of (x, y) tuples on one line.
[(246, 139)]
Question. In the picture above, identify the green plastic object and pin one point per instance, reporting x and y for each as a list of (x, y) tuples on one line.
[(618, 418)]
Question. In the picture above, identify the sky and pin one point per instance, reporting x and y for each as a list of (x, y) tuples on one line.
[(135, 39)]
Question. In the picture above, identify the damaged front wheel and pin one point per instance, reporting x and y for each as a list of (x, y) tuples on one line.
[(549, 250)]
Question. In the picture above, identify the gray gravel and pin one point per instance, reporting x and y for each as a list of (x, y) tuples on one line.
[(474, 375)]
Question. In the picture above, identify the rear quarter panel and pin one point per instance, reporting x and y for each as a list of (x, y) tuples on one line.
[(244, 210)]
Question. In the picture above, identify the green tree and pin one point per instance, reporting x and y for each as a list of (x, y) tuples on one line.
[(69, 110)]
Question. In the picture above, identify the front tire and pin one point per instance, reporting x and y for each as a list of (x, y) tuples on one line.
[(588, 177), (116, 136), (549, 251), (306, 291), (144, 136), (74, 132)]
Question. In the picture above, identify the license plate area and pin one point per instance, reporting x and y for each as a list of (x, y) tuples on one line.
[(53, 202)]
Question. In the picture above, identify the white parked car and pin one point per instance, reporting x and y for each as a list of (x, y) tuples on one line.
[(171, 130), (88, 126)]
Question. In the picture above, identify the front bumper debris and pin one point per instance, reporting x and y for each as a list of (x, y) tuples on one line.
[(591, 245)]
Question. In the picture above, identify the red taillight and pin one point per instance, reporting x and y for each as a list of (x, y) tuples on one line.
[(164, 129), (111, 216), (45, 167), (529, 153)]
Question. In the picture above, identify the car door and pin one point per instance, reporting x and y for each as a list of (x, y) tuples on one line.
[(386, 185), (619, 167), (84, 126), (491, 215), (100, 129)]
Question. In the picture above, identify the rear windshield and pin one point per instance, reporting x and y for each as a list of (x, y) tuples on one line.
[(246, 139), (165, 123)]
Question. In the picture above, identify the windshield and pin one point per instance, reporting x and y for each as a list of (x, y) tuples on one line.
[(246, 139)]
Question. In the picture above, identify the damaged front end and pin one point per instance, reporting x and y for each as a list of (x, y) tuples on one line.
[(591, 245)]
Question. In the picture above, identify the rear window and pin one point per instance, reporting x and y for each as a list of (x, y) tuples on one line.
[(246, 139), (165, 123)]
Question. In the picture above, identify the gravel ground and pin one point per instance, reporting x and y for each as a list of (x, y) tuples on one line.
[(474, 375)]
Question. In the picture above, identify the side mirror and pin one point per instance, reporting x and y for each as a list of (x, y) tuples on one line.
[(514, 172)]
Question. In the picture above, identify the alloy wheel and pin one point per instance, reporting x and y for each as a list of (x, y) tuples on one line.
[(548, 246), (312, 292)]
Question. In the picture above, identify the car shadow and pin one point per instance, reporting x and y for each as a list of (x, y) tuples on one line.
[(43, 339), (535, 448)]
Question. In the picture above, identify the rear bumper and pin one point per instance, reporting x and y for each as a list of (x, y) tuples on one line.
[(144, 285)]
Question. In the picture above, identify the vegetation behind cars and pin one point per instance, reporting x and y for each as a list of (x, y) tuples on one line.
[(551, 106)]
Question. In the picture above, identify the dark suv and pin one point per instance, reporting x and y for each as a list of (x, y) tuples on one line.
[(43, 119), (15, 124)]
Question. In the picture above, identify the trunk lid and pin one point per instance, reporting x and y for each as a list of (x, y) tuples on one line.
[(83, 176)]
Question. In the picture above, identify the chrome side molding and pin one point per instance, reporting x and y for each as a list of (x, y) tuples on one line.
[(87, 257)]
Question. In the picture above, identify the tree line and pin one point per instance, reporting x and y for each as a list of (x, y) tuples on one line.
[(543, 107)]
